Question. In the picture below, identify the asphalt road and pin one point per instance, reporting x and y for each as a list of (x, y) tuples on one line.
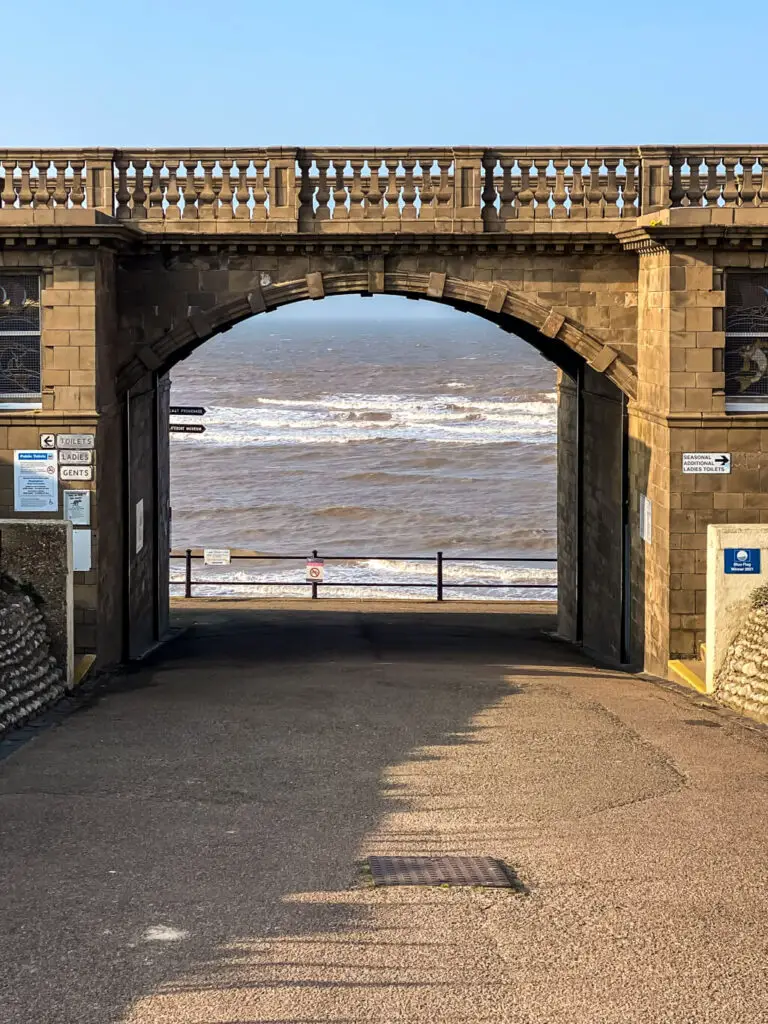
[(185, 850)]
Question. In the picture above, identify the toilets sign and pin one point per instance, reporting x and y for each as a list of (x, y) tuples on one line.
[(742, 560)]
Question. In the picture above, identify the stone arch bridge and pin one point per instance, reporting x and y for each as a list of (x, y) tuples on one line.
[(615, 263)]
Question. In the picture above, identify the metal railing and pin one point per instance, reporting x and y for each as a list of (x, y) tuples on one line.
[(439, 559)]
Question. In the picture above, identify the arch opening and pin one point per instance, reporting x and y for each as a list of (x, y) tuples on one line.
[(579, 470)]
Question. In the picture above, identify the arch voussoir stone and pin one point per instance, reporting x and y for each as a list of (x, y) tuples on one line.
[(483, 297)]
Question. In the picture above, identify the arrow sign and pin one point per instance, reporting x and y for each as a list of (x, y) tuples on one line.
[(187, 410), (186, 428), (706, 462)]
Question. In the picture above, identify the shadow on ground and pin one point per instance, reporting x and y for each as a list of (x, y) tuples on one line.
[(247, 765)]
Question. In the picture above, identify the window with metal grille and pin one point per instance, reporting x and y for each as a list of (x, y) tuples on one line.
[(20, 370), (746, 341)]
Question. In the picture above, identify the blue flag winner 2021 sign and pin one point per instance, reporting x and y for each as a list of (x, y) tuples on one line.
[(742, 560)]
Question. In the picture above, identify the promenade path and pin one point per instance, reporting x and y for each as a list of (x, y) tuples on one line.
[(184, 849)]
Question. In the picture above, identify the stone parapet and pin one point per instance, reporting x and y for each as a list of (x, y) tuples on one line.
[(292, 190)]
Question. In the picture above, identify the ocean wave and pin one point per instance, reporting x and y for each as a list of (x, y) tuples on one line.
[(341, 419)]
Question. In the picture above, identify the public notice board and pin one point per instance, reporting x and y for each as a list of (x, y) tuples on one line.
[(35, 484)]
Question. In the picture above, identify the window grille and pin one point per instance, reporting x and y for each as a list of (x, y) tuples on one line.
[(20, 370), (746, 342)]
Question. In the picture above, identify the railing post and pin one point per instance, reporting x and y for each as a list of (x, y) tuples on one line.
[(467, 187), (283, 191), (314, 585), (99, 181), (439, 575), (655, 180), (188, 573)]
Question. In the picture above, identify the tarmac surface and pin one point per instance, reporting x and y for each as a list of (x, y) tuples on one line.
[(186, 849)]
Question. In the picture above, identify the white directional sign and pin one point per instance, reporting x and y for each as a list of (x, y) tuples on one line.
[(216, 556), (74, 440), (47, 440), (75, 472), (315, 570), (706, 462), (34, 482), (75, 457)]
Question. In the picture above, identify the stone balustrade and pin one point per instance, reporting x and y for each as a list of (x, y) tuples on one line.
[(378, 190)]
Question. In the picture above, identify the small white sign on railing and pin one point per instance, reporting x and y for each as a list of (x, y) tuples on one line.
[(216, 556), (315, 570)]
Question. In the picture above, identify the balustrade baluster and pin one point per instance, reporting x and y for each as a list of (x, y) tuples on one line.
[(123, 194), (42, 195), (444, 194), (762, 195), (77, 191), (426, 190), (713, 182), (489, 194), (392, 195), (356, 189), (748, 190), (593, 200), (525, 195), (730, 190), (323, 211), (139, 211), (611, 192), (187, 186), (340, 211), (259, 189), (630, 188), (25, 186), (695, 190), (207, 197), (60, 194), (676, 190), (577, 193), (156, 189), (226, 192), (374, 202), (409, 191), (8, 195), (542, 191), (306, 194), (507, 190), (559, 194), (172, 193), (241, 191)]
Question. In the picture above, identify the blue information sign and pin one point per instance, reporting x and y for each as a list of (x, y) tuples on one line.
[(742, 560)]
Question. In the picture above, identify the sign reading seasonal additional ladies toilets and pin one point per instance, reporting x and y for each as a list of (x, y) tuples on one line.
[(742, 560)]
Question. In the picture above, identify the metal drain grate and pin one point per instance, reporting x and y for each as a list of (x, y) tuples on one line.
[(483, 871)]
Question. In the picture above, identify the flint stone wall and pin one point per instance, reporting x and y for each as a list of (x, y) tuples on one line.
[(30, 676), (742, 681), (37, 555)]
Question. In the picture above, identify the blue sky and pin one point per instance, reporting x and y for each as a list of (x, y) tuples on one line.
[(396, 73), (170, 74)]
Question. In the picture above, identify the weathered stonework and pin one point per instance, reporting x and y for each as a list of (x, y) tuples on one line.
[(610, 262)]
